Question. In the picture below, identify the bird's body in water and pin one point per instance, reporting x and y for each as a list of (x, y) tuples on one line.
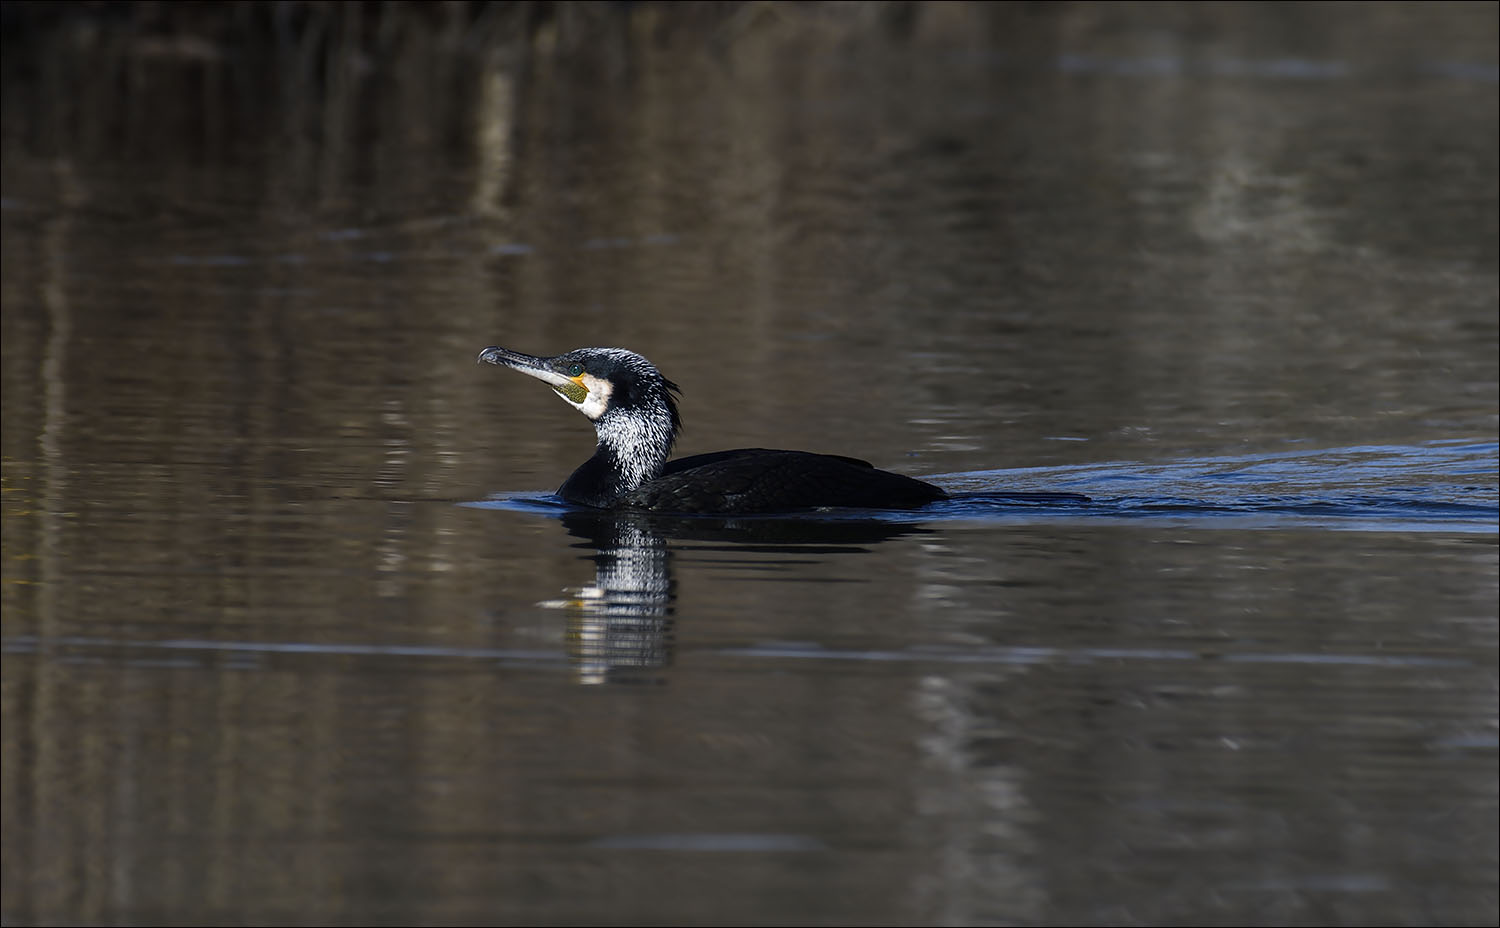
[(635, 417)]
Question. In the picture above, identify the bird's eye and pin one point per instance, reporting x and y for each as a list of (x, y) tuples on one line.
[(575, 370)]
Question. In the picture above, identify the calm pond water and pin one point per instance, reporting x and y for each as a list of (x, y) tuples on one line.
[(294, 633)]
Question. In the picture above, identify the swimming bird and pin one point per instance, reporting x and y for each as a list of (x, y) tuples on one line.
[(634, 412)]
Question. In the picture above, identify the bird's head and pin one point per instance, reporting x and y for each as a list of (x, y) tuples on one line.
[(605, 384)]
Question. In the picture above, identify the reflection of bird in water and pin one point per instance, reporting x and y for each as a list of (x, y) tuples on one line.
[(622, 625), (635, 416), (620, 629)]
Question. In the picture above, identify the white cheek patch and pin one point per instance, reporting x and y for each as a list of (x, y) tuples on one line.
[(597, 402)]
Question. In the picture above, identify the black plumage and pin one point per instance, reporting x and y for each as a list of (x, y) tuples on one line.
[(762, 480), (635, 417)]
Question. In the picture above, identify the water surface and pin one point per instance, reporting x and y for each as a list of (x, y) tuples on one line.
[(294, 634)]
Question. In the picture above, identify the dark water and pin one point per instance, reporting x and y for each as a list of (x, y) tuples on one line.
[(294, 634)]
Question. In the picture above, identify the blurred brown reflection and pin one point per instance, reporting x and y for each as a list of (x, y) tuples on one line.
[(259, 667)]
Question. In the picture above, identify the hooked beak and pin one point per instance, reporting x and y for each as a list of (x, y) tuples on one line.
[(570, 388)]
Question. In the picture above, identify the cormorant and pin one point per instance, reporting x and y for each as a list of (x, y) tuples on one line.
[(635, 417)]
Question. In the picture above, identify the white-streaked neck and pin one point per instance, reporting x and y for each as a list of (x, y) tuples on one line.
[(639, 443)]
